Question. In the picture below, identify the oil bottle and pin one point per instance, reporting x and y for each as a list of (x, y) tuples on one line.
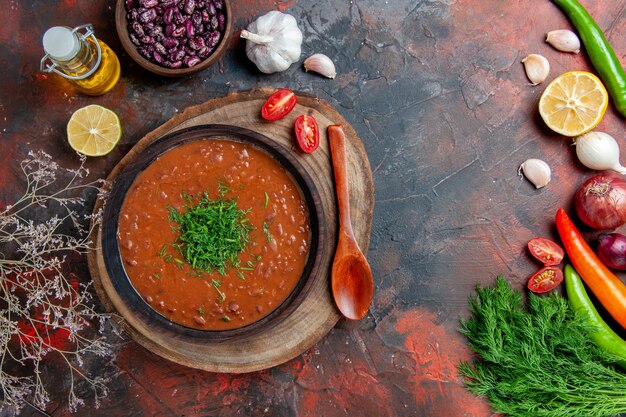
[(81, 58)]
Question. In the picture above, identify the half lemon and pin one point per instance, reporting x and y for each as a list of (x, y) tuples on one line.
[(573, 103), (94, 130)]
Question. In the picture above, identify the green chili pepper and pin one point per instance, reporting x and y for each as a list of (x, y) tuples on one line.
[(600, 332), (599, 50)]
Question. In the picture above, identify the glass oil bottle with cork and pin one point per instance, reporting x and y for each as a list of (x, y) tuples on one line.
[(81, 58)]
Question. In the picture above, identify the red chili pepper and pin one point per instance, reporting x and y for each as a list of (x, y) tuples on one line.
[(607, 287)]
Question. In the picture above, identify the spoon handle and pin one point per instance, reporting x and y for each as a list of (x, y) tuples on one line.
[(337, 140)]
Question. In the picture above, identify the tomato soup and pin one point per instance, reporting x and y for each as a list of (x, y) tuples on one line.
[(269, 266)]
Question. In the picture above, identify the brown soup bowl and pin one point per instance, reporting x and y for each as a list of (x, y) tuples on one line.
[(132, 39), (143, 312)]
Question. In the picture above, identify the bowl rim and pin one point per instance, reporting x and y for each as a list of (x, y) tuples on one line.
[(121, 26), (149, 316)]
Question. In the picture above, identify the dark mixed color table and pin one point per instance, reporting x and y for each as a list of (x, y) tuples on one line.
[(437, 94)]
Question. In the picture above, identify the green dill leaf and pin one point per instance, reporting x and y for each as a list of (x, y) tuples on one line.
[(267, 200), (266, 231)]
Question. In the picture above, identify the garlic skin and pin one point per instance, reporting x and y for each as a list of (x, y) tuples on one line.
[(321, 64), (564, 40), (599, 151), (273, 41), (536, 171), (537, 68)]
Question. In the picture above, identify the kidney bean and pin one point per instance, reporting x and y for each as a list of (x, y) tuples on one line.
[(174, 65), (157, 57), (222, 21), (206, 17), (134, 39), (196, 18), (167, 3), (179, 31), (189, 51), (147, 40), (168, 15), (169, 29), (148, 16), (158, 47), (199, 29), (197, 43), (215, 23), (191, 61), (179, 19), (190, 6), (210, 7), (200, 4), (219, 4), (213, 39), (177, 55), (148, 4), (191, 31), (170, 42), (130, 5), (204, 52), (138, 29), (199, 320)]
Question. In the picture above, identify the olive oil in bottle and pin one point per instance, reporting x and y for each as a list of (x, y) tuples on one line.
[(81, 58)]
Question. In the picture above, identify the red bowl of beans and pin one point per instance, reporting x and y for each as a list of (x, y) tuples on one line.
[(174, 38)]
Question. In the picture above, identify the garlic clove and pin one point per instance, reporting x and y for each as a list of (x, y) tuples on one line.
[(536, 171), (321, 64), (564, 40), (537, 68)]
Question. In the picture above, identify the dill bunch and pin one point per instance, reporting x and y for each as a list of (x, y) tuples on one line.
[(536, 360)]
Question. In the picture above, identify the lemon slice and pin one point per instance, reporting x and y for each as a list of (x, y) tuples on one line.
[(573, 103), (94, 130)]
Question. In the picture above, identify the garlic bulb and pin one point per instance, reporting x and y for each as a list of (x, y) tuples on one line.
[(273, 41), (321, 64), (564, 40), (536, 171), (537, 68), (599, 151)]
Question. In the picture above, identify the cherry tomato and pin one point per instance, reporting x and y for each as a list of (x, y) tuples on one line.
[(547, 251), (279, 104), (545, 279), (307, 132)]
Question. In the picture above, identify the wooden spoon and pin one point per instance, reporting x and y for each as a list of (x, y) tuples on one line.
[(352, 282)]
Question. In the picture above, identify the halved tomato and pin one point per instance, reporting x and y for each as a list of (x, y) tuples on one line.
[(279, 104), (545, 250), (307, 132), (546, 279)]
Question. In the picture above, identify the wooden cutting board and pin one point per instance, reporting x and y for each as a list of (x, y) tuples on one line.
[(317, 314)]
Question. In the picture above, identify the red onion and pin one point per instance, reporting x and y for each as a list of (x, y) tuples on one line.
[(612, 250), (601, 201)]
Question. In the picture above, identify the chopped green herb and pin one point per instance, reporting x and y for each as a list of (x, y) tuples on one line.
[(186, 196), (212, 233), (217, 284), (241, 275), (156, 275), (168, 259), (266, 231), (163, 251), (201, 311), (225, 318), (267, 199), (222, 188)]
